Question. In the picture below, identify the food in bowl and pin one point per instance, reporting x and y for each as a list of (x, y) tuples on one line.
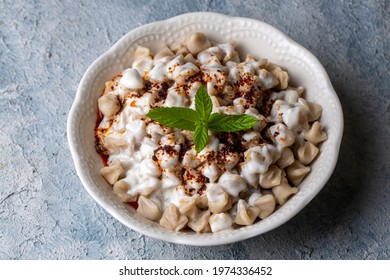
[(237, 176)]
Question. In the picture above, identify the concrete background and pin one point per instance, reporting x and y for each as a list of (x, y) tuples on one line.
[(46, 46)]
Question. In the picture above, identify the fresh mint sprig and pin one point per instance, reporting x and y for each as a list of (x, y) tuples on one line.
[(201, 119)]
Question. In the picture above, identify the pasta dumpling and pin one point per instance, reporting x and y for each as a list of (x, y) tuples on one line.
[(268, 80), (251, 178), (142, 60), (266, 204), (112, 172), (109, 104), (201, 222), (148, 208), (172, 218), (280, 74), (121, 189), (307, 152), (232, 183), (197, 42), (271, 178), (189, 208), (286, 158), (315, 134), (115, 144), (296, 172), (190, 159), (218, 200), (315, 111), (246, 214), (190, 58), (220, 222), (281, 135), (165, 52), (283, 192)]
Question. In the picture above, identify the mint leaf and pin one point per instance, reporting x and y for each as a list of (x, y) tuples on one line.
[(231, 123), (201, 136), (201, 120), (203, 104), (177, 117)]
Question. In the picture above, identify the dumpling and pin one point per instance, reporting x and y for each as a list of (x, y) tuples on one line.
[(172, 218), (281, 135), (121, 189), (220, 222), (142, 60), (218, 200), (211, 170), (112, 172), (283, 192), (201, 222), (280, 74), (246, 214), (109, 104), (190, 58), (131, 79), (286, 158), (296, 172), (259, 158), (267, 79), (315, 111), (190, 159), (271, 178), (307, 152), (232, 183), (197, 42), (266, 204), (188, 207), (251, 178), (165, 52), (148, 208), (315, 134)]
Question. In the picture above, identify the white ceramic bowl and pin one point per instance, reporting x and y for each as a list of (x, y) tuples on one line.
[(253, 37)]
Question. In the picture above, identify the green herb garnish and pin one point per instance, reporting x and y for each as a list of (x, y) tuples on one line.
[(201, 119)]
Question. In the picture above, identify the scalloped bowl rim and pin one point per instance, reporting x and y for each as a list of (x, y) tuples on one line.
[(204, 239)]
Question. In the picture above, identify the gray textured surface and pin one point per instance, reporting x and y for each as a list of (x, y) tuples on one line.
[(45, 213)]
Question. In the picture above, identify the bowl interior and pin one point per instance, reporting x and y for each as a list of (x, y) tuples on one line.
[(252, 37)]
